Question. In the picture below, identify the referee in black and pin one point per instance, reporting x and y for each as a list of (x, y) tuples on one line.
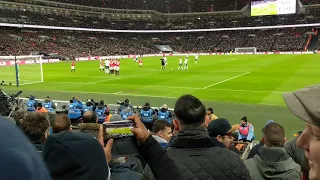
[(163, 64)]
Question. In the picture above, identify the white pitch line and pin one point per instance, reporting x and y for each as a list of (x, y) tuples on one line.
[(120, 94), (226, 80)]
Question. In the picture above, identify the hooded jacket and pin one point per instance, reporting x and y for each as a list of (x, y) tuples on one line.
[(273, 163), (75, 155)]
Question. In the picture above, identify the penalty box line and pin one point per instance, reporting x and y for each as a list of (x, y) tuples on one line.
[(226, 80)]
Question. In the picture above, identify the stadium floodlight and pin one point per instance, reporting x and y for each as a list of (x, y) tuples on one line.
[(21, 70), (246, 50)]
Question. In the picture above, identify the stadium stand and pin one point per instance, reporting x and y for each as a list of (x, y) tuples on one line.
[(77, 44)]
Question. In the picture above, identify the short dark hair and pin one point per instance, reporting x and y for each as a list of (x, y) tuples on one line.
[(89, 117), (160, 125), (190, 110), (274, 135), (34, 125), (61, 123)]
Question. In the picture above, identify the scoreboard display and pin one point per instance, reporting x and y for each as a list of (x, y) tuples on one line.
[(273, 7)]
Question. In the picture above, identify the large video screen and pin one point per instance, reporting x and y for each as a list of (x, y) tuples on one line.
[(273, 7)]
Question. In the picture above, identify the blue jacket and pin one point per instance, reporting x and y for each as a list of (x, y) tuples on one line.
[(164, 116), (101, 114), (74, 111), (146, 116), (87, 108), (30, 105), (125, 114), (48, 106)]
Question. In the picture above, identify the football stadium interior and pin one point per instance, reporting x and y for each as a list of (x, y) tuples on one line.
[(237, 56)]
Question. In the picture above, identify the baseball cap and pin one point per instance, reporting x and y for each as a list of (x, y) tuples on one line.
[(218, 127), (305, 103)]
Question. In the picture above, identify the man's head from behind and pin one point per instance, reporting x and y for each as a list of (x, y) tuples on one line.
[(61, 123), (273, 135), (189, 112), (35, 126), (75, 155), (90, 117), (162, 129)]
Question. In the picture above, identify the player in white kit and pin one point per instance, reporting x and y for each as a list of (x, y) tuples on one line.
[(185, 63), (180, 64), (196, 58), (107, 64)]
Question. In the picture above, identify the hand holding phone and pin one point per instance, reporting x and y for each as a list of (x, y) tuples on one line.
[(140, 131)]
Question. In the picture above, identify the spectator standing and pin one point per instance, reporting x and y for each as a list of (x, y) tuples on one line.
[(165, 114), (304, 103), (31, 104), (36, 127), (49, 104), (273, 161), (246, 130), (61, 123), (147, 115), (75, 155), (89, 124), (255, 149), (220, 132), (162, 132), (192, 150)]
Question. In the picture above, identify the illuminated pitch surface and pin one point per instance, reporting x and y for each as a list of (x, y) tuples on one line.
[(234, 85)]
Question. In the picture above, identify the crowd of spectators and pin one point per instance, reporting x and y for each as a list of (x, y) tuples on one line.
[(169, 6), (82, 44), (155, 23), (194, 145)]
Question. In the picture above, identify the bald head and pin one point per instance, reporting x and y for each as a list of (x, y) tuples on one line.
[(89, 117), (61, 123)]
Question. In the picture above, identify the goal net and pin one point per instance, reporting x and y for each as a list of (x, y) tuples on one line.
[(21, 70), (245, 50)]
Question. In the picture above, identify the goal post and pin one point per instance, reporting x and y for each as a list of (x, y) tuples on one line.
[(21, 70), (245, 50)]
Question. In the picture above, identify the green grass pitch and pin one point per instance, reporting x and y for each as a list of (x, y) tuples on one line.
[(233, 85), (268, 9)]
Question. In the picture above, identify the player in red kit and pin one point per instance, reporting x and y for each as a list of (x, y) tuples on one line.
[(112, 66), (140, 63), (73, 66), (117, 67)]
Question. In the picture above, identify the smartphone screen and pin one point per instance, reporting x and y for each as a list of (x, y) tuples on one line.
[(118, 129), (125, 143)]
